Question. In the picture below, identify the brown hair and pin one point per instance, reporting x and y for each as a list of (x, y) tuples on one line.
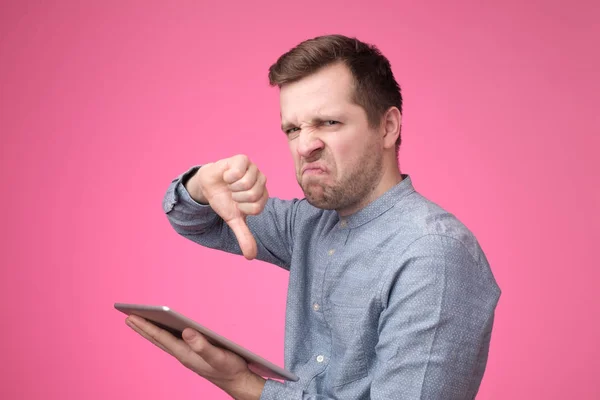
[(376, 89)]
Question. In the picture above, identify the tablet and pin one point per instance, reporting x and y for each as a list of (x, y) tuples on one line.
[(170, 320)]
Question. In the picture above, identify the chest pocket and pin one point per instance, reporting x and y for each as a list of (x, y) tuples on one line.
[(348, 362)]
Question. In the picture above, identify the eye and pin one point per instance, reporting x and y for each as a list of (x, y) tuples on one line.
[(292, 133), (291, 130), (330, 122)]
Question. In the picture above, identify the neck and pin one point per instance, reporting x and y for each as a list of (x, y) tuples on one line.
[(390, 177)]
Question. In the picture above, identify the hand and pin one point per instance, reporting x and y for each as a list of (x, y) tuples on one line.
[(234, 188), (223, 368)]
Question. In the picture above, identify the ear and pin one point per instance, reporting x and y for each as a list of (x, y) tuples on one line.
[(392, 121)]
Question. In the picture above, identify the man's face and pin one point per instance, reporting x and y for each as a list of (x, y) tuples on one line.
[(338, 157)]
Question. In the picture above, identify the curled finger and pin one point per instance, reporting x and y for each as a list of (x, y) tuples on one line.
[(247, 181), (252, 195), (148, 337)]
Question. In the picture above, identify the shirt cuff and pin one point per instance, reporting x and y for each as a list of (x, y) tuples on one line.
[(274, 390), (178, 194)]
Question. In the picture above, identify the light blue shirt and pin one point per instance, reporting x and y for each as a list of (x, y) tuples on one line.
[(394, 302)]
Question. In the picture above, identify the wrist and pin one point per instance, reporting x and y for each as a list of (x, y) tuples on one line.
[(194, 188), (248, 386)]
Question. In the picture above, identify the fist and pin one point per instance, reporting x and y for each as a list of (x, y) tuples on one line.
[(234, 188)]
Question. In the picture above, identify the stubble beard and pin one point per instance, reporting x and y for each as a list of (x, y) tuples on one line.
[(349, 191)]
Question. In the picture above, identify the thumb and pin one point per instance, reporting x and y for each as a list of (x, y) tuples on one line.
[(211, 354), (244, 237)]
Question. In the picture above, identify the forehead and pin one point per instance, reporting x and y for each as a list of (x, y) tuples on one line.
[(327, 90)]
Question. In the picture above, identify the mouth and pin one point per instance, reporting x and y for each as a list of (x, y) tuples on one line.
[(312, 170)]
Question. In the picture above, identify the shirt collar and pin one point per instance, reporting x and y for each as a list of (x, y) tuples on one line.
[(379, 205)]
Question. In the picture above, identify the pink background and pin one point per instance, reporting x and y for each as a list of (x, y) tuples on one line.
[(103, 103)]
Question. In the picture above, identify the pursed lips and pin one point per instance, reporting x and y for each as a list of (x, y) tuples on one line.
[(313, 169)]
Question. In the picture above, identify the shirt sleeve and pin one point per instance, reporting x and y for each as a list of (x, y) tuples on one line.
[(435, 327), (274, 390), (272, 229)]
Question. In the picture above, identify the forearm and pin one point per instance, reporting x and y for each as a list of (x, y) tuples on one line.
[(186, 215), (274, 390), (272, 229), (195, 221), (257, 388), (190, 181)]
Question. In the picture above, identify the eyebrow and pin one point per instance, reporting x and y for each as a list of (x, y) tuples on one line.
[(314, 121)]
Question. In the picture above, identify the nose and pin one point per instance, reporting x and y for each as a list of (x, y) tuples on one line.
[(309, 144)]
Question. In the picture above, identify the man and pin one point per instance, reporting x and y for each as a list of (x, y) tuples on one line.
[(390, 297)]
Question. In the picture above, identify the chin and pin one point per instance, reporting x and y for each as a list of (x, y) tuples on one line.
[(320, 203)]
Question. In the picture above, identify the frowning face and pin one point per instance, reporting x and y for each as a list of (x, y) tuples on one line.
[(338, 157)]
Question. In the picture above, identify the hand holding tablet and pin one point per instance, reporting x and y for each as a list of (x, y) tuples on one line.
[(174, 322)]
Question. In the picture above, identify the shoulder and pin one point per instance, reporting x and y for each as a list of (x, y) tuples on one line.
[(421, 223), (429, 240)]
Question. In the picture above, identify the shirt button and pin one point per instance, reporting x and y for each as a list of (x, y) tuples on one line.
[(343, 223), (320, 358), (330, 252), (316, 306)]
